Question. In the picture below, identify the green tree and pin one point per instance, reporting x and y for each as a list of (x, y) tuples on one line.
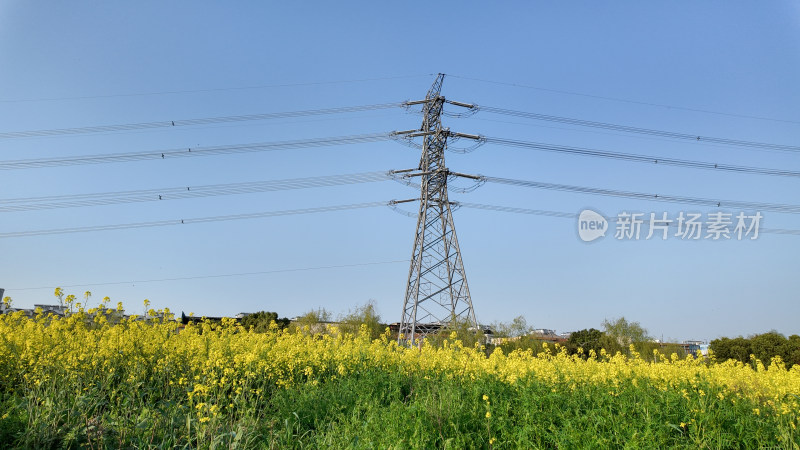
[(261, 321), (316, 320), (363, 315), (741, 349), (763, 346), (519, 336), (591, 339), (794, 350), (768, 345), (629, 333), (517, 327)]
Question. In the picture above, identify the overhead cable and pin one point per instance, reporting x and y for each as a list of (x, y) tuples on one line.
[(162, 223), (646, 131), (775, 207), (646, 159), (635, 102), (391, 204), (192, 152), (190, 122), (566, 215), (183, 192)]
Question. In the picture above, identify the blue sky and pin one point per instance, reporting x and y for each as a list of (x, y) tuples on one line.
[(633, 63)]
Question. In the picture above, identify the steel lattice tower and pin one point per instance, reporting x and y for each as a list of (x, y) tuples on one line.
[(437, 293)]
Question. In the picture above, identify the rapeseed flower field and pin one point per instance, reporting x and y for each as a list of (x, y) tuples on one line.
[(88, 380)]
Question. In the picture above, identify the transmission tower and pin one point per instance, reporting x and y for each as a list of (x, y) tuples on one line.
[(437, 293)]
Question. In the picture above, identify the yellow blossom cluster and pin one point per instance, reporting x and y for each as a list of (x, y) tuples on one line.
[(219, 366)]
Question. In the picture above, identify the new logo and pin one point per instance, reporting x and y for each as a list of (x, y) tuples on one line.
[(591, 225)]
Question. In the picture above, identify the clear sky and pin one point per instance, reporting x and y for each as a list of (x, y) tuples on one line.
[(718, 68)]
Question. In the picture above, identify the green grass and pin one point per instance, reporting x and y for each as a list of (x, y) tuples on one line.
[(375, 409)]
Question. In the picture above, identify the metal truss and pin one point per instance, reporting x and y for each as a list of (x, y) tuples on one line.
[(437, 294)]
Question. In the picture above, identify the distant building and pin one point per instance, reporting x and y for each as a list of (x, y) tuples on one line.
[(540, 334), (689, 347), (54, 309), (62, 311), (692, 347), (30, 312), (544, 332), (424, 329)]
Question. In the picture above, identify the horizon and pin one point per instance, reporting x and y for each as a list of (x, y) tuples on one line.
[(337, 316)]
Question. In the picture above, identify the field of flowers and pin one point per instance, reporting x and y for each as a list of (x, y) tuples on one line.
[(76, 382)]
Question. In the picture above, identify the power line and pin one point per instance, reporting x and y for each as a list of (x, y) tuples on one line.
[(162, 223), (642, 158), (646, 131), (183, 192), (203, 277), (194, 91), (622, 100), (775, 207), (606, 133), (258, 215), (566, 215), (192, 152), (190, 122), (368, 138)]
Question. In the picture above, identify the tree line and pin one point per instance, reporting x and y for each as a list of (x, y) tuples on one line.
[(314, 321), (763, 347), (618, 335)]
